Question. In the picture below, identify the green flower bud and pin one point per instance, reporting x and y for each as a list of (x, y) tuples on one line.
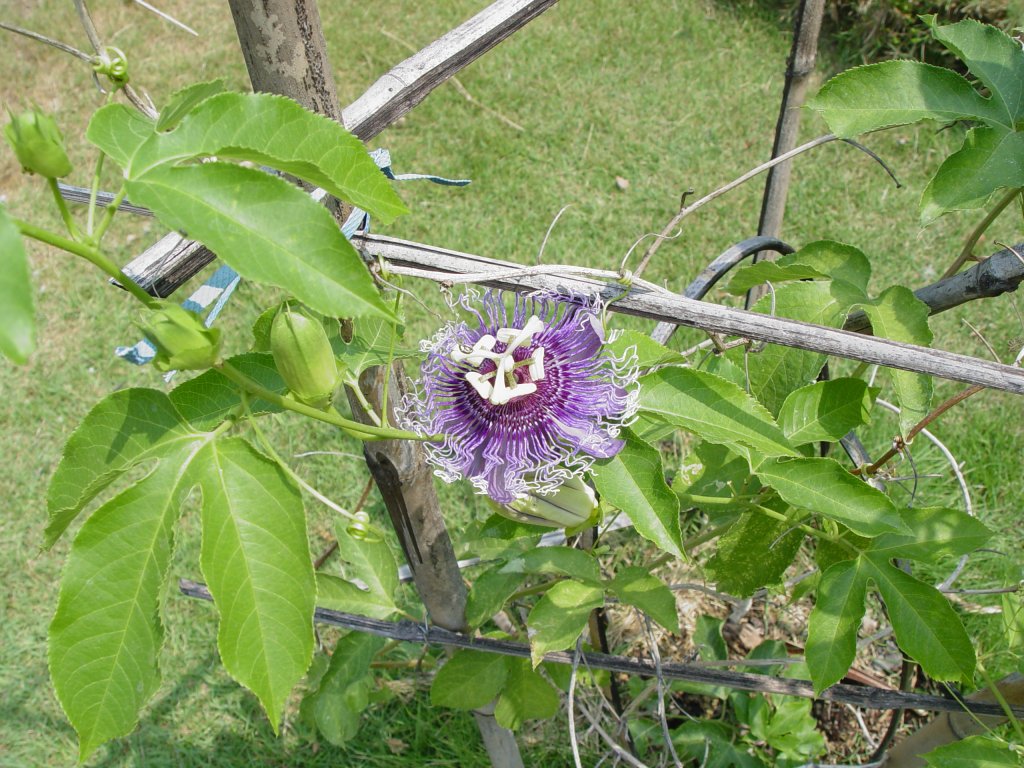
[(572, 505), (182, 341), (303, 356), (38, 143)]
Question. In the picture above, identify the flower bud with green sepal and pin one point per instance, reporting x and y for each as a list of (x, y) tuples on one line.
[(38, 143), (303, 356), (572, 505), (182, 341)]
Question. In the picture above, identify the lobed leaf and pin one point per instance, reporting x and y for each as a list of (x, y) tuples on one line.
[(899, 315), (336, 594), (255, 557), (634, 481), (17, 315), (119, 131), (525, 696), (935, 533), (973, 752), (753, 553), (717, 410), (649, 352), (559, 617), (925, 625), (342, 695), (370, 562), (825, 487), (637, 587), (841, 262), (489, 592), (122, 430), (106, 634), (273, 130), (185, 100), (558, 561), (266, 229), (992, 56), (373, 343), (990, 159), (771, 272), (893, 93), (469, 680), (834, 622), (825, 410)]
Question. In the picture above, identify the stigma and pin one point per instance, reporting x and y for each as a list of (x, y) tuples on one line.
[(501, 386)]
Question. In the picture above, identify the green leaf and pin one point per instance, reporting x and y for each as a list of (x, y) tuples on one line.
[(926, 627), (272, 130), (826, 410), (209, 398), (990, 159), (713, 470), (649, 352), (558, 561), (770, 272), (992, 56), (255, 557), (899, 315), (892, 93), (373, 343), (336, 594), (342, 694), (834, 622), (184, 101), (559, 617), (716, 409), (707, 637), (106, 635), (489, 592), (266, 229), (709, 744), (370, 562), (122, 430), (17, 316), (526, 696), (775, 370), (469, 680), (753, 553), (634, 481), (825, 487), (973, 752), (839, 261), (637, 587), (119, 131), (936, 533)]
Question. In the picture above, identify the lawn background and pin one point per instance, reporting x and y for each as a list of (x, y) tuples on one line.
[(666, 95)]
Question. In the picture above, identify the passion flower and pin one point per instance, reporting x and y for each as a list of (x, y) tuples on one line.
[(526, 397)]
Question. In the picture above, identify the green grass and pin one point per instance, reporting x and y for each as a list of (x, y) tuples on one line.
[(667, 95)]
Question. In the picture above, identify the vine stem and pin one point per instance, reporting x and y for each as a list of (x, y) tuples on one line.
[(353, 385), (972, 239), (91, 254), (917, 428), (803, 527), (108, 214), (354, 428), (65, 214)]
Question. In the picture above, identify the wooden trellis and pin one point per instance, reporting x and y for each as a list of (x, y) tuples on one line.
[(399, 467)]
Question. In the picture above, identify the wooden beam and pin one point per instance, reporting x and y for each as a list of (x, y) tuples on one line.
[(440, 264), (407, 84)]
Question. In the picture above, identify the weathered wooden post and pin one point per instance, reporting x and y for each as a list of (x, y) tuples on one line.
[(285, 53)]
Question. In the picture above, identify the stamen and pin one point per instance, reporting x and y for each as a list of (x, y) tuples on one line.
[(505, 387), (537, 364)]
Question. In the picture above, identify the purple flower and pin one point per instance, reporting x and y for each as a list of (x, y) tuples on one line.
[(526, 397)]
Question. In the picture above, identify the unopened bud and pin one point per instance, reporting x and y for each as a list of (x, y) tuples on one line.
[(38, 143), (182, 341), (573, 504), (303, 356)]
